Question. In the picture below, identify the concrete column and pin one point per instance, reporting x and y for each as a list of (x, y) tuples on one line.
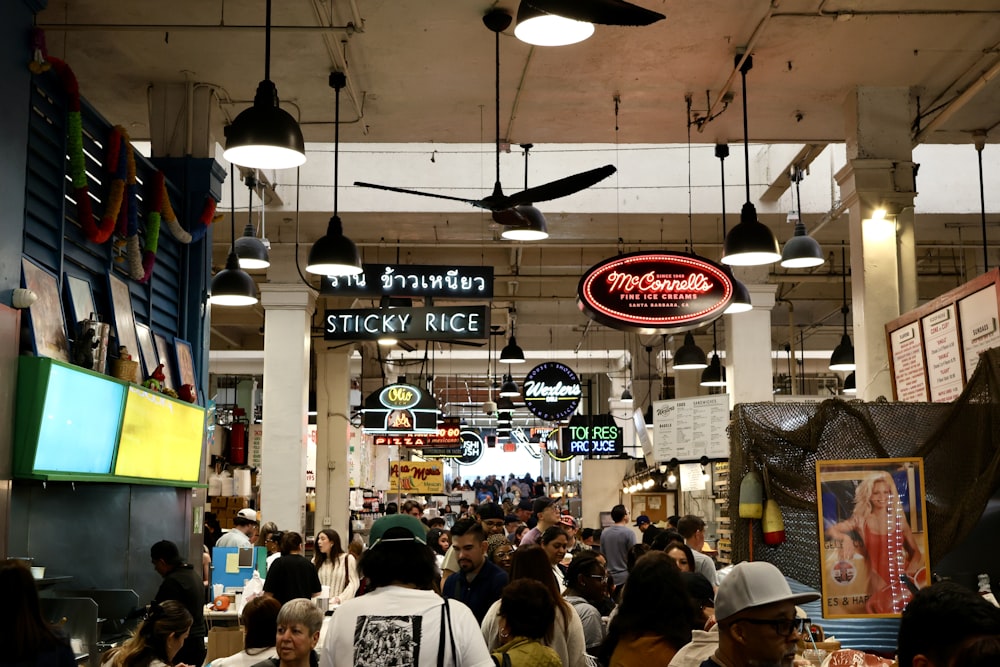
[(288, 310), (877, 185), (688, 383), (333, 385), (748, 348)]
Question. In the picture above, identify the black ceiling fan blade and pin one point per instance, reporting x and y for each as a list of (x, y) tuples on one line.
[(389, 188), (562, 187), (605, 12)]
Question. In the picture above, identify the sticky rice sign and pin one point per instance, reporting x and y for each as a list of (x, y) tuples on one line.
[(416, 477)]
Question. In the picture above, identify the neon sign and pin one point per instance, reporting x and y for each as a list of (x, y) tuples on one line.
[(655, 292), (552, 391)]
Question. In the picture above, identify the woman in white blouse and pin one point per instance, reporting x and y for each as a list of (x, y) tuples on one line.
[(337, 568)]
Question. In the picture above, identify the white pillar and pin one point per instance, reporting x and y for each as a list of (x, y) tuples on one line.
[(878, 176), (288, 310), (333, 385), (748, 348)]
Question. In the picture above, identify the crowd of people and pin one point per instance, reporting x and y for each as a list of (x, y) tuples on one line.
[(509, 584)]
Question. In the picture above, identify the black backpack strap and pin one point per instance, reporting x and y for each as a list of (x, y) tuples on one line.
[(446, 628)]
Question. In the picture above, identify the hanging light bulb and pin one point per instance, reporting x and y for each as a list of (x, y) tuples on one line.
[(850, 384), (252, 251), (233, 286), (542, 29), (689, 356), (801, 251), (715, 374), (750, 243), (509, 388), (672, 477), (842, 358)]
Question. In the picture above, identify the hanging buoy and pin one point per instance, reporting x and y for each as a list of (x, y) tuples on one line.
[(751, 496), (773, 525)]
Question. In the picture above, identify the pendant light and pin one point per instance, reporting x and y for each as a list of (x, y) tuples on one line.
[(850, 384), (750, 243), (740, 303), (533, 226), (265, 136), (335, 254), (842, 358), (252, 251), (801, 251), (689, 357), (627, 392), (542, 29), (715, 374), (512, 352), (232, 286), (979, 138), (509, 388)]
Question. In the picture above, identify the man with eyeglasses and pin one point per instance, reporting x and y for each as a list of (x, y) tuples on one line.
[(548, 513), (755, 610)]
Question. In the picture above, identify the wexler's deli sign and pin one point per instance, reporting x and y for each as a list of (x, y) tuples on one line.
[(413, 280), (655, 292), (552, 391), (400, 409), (432, 323)]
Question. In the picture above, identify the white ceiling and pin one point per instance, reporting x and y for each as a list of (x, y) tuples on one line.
[(422, 71)]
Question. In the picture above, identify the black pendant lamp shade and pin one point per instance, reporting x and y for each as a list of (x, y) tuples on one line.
[(689, 356), (850, 384), (740, 302), (750, 243), (512, 352), (801, 251), (251, 251), (509, 387), (334, 254), (842, 358), (715, 374), (265, 136), (232, 286), (543, 29)]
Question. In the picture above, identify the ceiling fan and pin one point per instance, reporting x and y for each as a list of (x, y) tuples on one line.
[(605, 12), (501, 205)]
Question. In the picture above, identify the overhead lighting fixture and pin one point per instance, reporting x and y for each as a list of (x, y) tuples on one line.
[(232, 286), (689, 357), (387, 342), (542, 29), (740, 303), (512, 352), (801, 251), (842, 358), (850, 384), (750, 243), (509, 388), (252, 251), (531, 225), (334, 254), (715, 374), (265, 136)]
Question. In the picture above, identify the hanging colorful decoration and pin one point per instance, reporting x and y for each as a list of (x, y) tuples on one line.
[(160, 211), (122, 204)]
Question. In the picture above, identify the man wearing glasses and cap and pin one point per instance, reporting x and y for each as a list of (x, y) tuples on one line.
[(755, 610), (239, 535)]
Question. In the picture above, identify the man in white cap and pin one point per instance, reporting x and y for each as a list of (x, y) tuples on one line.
[(755, 610), (239, 535)]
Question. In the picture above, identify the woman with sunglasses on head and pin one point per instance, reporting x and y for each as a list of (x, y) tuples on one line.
[(157, 639), (587, 584), (336, 568)]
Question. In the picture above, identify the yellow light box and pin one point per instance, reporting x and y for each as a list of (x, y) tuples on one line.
[(161, 438)]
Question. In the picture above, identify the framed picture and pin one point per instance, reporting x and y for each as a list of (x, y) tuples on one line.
[(167, 359), (148, 349), (80, 297), (45, 316), (124, 320), (185, 363), (873, 535)]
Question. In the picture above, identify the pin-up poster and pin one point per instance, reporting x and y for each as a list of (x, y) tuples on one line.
[(873, 530), (416, 477)]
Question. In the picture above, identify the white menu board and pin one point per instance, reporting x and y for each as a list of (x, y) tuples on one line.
[(978, 313), (908, 363), (943, 354), (689, 428)]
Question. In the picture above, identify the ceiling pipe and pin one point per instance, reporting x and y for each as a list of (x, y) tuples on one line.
[(952, 107)]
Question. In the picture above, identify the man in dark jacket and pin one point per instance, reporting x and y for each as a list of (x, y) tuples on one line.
[(479, 581), (182, 583)]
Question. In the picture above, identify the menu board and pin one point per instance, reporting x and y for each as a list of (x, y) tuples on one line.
[(689, 428), (979, 325), (934, 349), (908, 363), (944, 354)]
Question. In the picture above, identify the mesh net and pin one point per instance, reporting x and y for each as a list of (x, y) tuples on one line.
[(958, 442)]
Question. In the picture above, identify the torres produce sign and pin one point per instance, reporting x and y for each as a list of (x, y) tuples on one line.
[(655, 292), (552, 391)]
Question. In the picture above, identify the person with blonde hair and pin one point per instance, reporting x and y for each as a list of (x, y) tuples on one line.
[(157, 639), (879, 531)]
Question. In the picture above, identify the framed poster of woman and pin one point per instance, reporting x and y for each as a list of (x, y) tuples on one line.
[(45, 315), (124, 320), (873, 530)]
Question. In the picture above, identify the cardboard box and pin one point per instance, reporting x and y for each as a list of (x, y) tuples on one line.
[(238, 502), (224, 642), (219, 503)]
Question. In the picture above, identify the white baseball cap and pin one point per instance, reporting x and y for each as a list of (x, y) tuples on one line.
[(754, 585), (248, 514)]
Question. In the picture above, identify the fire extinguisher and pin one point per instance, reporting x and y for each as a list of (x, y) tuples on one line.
[(238, 438)]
